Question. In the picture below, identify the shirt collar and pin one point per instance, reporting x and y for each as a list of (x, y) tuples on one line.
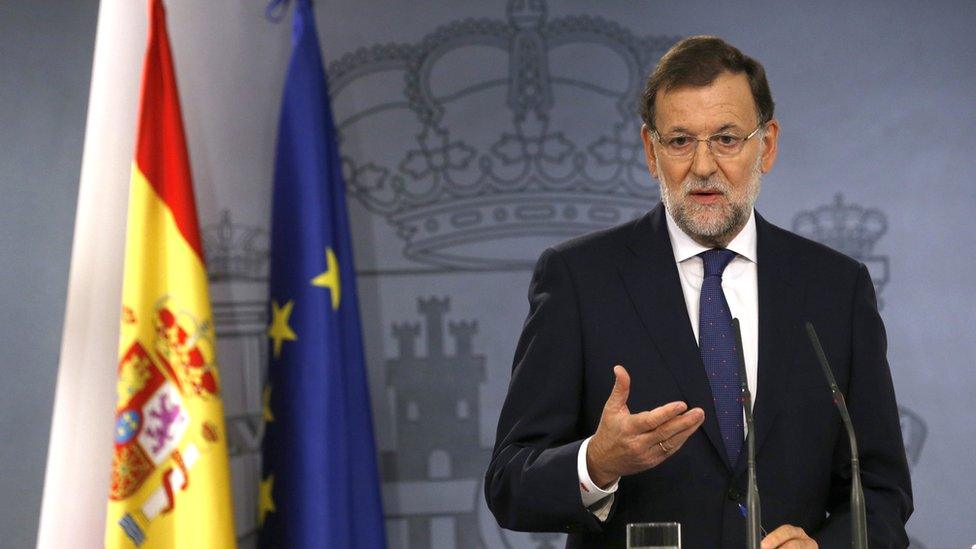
[(685, 247)]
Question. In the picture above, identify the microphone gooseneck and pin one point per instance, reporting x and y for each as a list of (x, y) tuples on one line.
[(859, 523), (753, 518)]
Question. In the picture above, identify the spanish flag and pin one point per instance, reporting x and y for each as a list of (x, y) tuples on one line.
[(170, 481)]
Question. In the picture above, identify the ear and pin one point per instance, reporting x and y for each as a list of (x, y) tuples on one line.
[(770, 136), (649, 150)]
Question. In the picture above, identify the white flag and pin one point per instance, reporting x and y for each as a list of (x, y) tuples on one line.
[(76, 483)]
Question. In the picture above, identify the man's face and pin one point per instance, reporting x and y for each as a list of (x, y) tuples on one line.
[(710, 198)]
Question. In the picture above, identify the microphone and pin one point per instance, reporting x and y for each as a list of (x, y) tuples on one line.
[(753, 519), (859, 522)]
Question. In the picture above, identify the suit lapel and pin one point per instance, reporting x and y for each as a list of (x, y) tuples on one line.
[(651, 278), (780, 302)]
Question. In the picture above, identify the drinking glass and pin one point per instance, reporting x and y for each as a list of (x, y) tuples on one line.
[(654, 535)]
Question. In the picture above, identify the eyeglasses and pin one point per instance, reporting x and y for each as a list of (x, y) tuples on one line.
[(721, 145)]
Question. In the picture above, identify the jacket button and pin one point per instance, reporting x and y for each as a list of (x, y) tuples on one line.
[(733, 494)]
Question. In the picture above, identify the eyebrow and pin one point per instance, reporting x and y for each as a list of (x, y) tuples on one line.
[(682, 129)]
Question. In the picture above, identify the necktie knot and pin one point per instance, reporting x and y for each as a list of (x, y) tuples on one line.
[(716, 260)]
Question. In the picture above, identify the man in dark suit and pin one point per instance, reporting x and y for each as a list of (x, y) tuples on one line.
[(624, 403)]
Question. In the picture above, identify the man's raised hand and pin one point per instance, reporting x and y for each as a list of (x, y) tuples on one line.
[(626, 443)]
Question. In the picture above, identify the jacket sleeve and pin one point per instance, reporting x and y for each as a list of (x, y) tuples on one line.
[(532, 482), (874, 413)]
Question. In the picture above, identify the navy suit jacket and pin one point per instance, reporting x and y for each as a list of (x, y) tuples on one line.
[(614, 297)]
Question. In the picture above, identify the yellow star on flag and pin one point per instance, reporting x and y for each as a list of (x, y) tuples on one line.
[(330, 278), (265, 502), (279, 330), (266, 403)]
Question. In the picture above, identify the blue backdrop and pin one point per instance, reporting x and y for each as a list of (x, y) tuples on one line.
[(473, 134)]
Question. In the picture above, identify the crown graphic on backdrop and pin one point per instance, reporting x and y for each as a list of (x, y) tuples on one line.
[(850, 229), (490, 130), (235, 251)]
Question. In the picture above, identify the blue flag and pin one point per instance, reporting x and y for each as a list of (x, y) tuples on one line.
[(320, 486)]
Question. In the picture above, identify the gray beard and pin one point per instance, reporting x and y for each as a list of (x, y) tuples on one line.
[(692, 218)]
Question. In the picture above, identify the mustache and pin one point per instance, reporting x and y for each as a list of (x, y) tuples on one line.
[(708, 185)]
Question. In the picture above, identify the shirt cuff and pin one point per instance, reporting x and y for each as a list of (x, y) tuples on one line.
[(596, 499)]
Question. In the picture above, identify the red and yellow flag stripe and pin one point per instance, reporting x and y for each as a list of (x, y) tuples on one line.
[(170, 474)]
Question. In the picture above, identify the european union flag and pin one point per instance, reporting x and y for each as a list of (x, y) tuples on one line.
[(320, 486)]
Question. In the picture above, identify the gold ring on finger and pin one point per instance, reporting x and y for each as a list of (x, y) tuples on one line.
[(664, 447)]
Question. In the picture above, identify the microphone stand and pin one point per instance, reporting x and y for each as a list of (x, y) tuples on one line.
[(753, 518), (859, 522)]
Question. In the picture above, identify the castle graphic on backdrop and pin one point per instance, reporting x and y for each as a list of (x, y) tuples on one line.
[(432, 480)]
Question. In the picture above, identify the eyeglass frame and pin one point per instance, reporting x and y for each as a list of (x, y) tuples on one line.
[(708, 143)]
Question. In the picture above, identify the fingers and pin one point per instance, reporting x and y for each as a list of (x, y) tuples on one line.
[(788, 536), (676, 432), (625, 444), (688, 421), (621, 390), (652, 419)]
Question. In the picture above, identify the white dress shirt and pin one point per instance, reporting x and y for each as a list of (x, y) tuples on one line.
[(741, 287)]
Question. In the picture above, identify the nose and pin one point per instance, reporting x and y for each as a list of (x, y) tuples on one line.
[(703, 163)]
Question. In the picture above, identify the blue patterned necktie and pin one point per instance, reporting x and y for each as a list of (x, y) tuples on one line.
[(717, 345)]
